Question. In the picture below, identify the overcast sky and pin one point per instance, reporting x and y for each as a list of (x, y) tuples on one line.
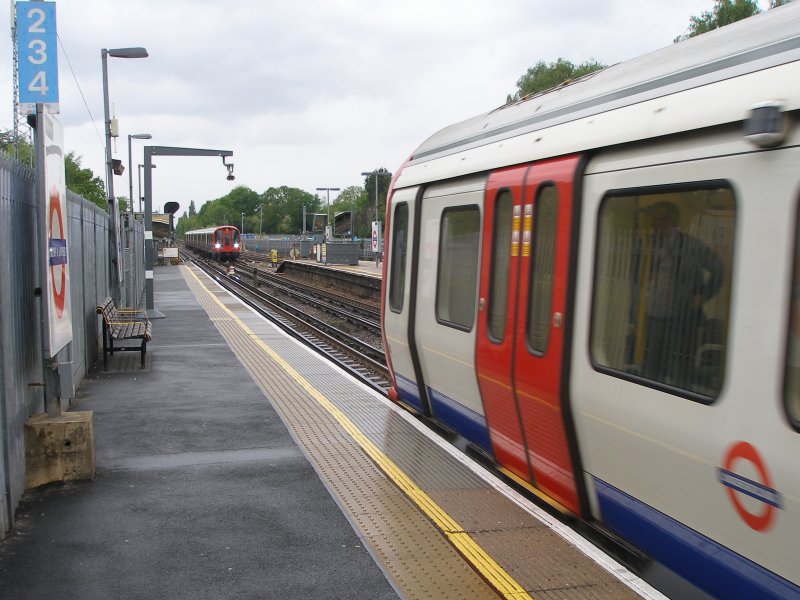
[(310, 94)]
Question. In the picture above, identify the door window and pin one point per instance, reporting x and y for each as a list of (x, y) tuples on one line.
[(792, 389), (542, 268), (501, 258), (661, 293), (456, 284), (397, 283)]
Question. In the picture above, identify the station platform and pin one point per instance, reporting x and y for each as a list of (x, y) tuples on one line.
[(237, 464)]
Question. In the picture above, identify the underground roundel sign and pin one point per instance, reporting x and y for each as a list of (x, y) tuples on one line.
[(747, 483), (57, 249)]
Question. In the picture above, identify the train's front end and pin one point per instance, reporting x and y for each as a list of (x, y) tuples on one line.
[(226, 243)]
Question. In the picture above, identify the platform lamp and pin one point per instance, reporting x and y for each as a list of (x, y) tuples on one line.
[(115, 273)]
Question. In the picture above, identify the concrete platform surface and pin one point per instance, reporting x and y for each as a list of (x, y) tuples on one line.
[(200, 490)]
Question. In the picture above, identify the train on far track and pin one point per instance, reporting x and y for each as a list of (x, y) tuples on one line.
[(598, 287), (222, 242)]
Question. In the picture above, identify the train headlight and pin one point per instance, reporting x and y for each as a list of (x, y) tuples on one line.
[(217, 245), (236, 244)]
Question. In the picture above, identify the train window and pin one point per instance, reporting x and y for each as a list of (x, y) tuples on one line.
[(542, 265), (792, 386), (397, 284), (661, 296), (501, 257), (457, 278)]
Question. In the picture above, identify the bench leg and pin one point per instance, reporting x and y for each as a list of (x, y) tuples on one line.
[(105, 347), (144, 351)]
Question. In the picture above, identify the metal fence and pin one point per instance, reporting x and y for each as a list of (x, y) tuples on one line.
[(285, 244), (21, 362)]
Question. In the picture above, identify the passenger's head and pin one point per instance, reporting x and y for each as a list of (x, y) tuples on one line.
[(664, 215)]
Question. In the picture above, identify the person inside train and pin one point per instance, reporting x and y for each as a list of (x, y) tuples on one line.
[(682, 274)]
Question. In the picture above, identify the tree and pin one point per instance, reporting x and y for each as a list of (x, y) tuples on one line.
[(723, 13), (353, 199), (192, 209), (283, 209), (545, 76), (84, 182), (384, 181), (22, 148), (81, 181)]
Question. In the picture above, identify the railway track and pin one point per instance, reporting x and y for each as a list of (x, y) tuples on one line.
[(360, 313), (345, 337)]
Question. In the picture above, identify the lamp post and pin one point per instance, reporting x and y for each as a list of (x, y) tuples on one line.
[(260, 210), (149, 152), (114, 229), (375, 174), (141, 195), (136, 136), (329, 190), (377, 219), (242, 230)]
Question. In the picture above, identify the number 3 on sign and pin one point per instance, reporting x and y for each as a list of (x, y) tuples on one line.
[(36, 39)]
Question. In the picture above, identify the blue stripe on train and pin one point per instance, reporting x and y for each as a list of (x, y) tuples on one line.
[(407, 392), (702, 561), (459, 418)]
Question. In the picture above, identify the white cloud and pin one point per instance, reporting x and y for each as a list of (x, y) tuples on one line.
[(310, 94)]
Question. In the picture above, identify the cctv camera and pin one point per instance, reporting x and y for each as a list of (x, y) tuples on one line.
[(230, 177)]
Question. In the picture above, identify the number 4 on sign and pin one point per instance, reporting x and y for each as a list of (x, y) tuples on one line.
[(38, 84)]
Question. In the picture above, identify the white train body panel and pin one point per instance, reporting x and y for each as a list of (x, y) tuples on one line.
[(666, 451), (694, 459), (397, 307), (445, 349)]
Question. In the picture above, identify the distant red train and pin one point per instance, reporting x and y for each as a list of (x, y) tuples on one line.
[(222, 242)]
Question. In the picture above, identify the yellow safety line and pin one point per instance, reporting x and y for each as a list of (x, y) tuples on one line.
[(493, 573)]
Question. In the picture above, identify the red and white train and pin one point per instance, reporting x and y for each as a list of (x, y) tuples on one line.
[(221, 242), (599, 286)]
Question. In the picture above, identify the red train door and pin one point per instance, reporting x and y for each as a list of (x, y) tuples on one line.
[(497, 315), (523, 376)]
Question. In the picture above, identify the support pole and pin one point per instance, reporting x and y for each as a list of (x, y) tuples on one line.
[(152, 313)]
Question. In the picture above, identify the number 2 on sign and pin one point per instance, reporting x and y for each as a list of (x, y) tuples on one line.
[(36, 26)]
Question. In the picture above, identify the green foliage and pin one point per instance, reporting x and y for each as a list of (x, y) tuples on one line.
[(81, 181), (84, 182), (22, 152), (545, 76), (282, 211), (723, 13), (353, 199), (384, 178)]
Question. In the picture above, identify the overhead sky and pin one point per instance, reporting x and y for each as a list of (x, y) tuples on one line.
[(310, 94)]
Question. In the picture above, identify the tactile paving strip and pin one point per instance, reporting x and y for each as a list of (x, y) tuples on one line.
[(537, 559), (411, 551)]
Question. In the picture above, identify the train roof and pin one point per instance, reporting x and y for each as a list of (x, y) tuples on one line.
[(707, 80), (211, 229)]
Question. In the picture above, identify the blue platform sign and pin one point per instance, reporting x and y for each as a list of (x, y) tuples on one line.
[(38, 55)]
